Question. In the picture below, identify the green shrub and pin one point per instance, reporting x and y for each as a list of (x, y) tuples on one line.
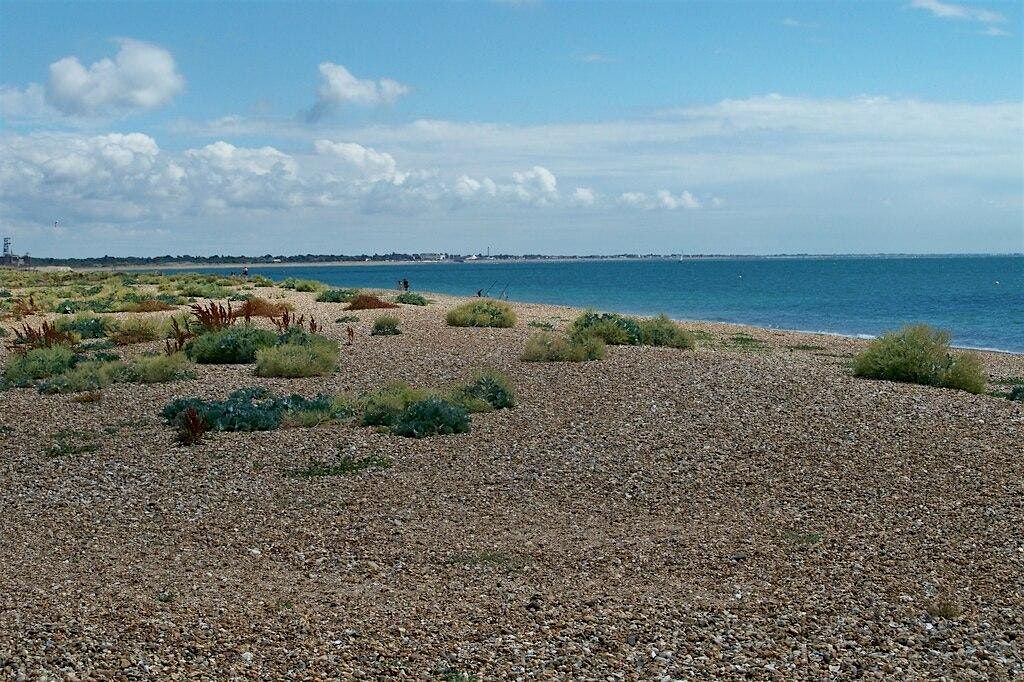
[(385, 326), (39, 363), (483, 313), (337, 295), (341, 407), (661, 331), (96, 305), (261, 281), (383, 407), (488, 390), (154, 369), (5, 293), (541, 325), (314, 357), (1016, 393), (203, 290), (247, 409), (410, 298), (613, 329), (232, 345), (87, 326), (433, 416), (549, 347), (919, 354), (135, 330), (301, 284), (91, 375), (3, 332), (347, 318)]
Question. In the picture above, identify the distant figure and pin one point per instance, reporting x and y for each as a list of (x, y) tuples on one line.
[(405, 284), (479, 293), (399, 285), (245, 271), (351, 334)]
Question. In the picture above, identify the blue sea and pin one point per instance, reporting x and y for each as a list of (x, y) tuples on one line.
[(980, 299)]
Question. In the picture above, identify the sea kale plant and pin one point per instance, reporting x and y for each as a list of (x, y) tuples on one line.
[(920, 354)]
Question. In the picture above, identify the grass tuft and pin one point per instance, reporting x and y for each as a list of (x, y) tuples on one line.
[(483, 313), (920, 354), (551, 347)]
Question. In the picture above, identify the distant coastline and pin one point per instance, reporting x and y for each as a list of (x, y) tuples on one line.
[(186, 262)]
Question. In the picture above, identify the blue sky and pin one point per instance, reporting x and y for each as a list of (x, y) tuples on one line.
[(533, 127)]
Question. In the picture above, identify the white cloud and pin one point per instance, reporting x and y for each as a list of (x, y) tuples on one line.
[(366, 162), (949, 10), (584, 196), (662, 199), (535, 186), (141, 76), (338, 87)]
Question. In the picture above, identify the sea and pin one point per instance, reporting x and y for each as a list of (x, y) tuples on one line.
[(979, 299)]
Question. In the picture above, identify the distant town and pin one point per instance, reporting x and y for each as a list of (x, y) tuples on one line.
[(9, 258)]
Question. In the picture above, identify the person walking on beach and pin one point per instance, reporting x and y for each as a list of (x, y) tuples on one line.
[(405, 284)]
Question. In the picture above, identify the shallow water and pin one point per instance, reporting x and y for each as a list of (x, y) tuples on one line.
[(980, 299)]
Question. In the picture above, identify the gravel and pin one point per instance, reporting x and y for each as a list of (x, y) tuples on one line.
[(740, 511)]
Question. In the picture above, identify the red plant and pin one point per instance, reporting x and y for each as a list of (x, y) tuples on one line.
[(23, 307), (213, 316), (191, 426), (288, 320), (261, 307), (369, 302), (47, 335), (181, 337), (351, 334)]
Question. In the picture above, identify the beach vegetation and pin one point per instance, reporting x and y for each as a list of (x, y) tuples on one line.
[(303, 355), (541, 325), (1016, 393), (90, 375), (369, 302), (255, 306), (385, 325), (197, 289), (46, 336), (746, 342), (345, 319), (308, 285), (337, 295), (612, 328), (411, 298), (488, 390), (156, 369), (383, 407), (920, 354), (247, 409), (85, 325), (553, 347), (135, 330), (232, 345), (339, 466), (482, 313), (430, 417), (661, 331)]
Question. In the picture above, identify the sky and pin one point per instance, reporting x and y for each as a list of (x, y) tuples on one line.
[(154, 128)]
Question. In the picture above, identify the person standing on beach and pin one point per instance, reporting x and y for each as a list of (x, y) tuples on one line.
[(405, 284)]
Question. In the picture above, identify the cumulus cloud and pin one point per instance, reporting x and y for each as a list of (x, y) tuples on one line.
[(662, 199), (583, 196), (365, 161), (339, 87), (141, 76)]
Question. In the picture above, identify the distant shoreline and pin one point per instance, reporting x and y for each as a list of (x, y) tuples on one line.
[(185, 265)]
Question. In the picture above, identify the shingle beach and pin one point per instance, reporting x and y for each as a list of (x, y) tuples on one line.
[(742, 511)]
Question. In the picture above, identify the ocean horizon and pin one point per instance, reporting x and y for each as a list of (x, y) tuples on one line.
[(979, 299)]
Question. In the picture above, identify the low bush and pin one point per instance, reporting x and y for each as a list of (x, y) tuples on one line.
[(483, 313), (344, 319), (613, 329), (341, 407), (155, 369), (1016, 393), (46, 336), (150, 305), (91, 375), (314, 355), (368, 302), (86, 325), (39, 363), (385, 326), (232, 345), (301, 284), (135, 330), (410, 298), (488, 390), (920, 354), (385, 406), (247, 409), (541, 325), (429, 417), (337, 295), (661, 331), (203, 290), (95, 305), (261, 307), (551, 347), (341, 465), (261, 281)]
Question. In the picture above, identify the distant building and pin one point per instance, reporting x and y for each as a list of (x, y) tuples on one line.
[(432, 256)]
